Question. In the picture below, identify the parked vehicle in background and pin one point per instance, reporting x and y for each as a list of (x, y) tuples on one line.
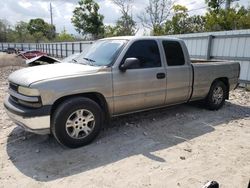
[(115, 76), (31, 54), (10, 50)]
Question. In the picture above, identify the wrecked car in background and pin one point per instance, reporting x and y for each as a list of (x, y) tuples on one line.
[(45, 59), (10, 50), (31, 54)]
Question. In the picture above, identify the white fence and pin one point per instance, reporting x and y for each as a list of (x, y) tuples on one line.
[(226, 45), (60, 49)]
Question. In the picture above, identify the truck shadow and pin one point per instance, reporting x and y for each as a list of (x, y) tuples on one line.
[(41, 158)]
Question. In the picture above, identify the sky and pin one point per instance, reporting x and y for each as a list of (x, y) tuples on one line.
[(24, 10)]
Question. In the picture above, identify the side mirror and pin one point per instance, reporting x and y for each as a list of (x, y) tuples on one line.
[(130, 63)]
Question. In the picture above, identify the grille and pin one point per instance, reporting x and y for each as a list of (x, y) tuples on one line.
[(13, 86), (14, 99)]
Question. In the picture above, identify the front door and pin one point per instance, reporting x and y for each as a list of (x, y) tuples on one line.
[(140, 87)]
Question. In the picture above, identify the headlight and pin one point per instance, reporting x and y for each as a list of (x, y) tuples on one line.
[(28, 91)]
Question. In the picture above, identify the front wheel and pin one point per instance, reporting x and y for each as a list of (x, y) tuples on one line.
[(216, 96), (76, 122)]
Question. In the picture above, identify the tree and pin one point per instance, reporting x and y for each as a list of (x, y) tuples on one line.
[(229, 19), (22, 30), (38, 27), (155, 15), (3, 30), (87, 20), (110, 31), (181, 22), (214, 5), (22, 33), (119, 28), (178, 24), (64, 37), (125, 25), (243, 21), (196, 23)]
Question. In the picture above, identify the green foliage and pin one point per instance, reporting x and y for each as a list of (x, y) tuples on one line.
[(110, 31), (181, 22), (214, 5), (196, 24), (3, 30), (125, 26), (157, 30), (22, 33), (64, 37), (39, 28), (230, 19), (178, 23), (87, 20)]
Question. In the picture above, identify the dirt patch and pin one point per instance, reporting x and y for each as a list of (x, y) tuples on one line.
[(10, 60), (182, 146)]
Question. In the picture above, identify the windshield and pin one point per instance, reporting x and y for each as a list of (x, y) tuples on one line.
[(101, 53)]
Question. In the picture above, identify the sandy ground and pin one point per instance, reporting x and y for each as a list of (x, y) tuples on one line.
[(182, 146)]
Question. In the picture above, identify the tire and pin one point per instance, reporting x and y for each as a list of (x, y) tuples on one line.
[(76, 122), (216, 96)]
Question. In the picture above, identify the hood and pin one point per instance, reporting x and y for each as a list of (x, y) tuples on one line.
[(27, 76), (43, 58)]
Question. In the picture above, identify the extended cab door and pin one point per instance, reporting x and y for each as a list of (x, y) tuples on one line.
[(179, 73), (140, 87)]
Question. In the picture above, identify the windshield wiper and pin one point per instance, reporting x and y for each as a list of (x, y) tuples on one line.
[(91, 61)]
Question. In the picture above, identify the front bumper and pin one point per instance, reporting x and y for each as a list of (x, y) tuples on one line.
[(32, 120)]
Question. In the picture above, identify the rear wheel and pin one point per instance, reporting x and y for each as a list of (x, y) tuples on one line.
[(77, 122), (216, 96)]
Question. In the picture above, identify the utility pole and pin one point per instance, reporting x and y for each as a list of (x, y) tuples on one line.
[(51, 20), (51, 14)]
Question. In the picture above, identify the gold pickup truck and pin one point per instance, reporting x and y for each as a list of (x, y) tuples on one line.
[(114, 76)]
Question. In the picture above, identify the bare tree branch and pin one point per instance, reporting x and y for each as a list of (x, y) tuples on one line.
[(126, 23), (156, 13)]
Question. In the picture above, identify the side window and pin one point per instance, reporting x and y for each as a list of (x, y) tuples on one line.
[(173, 53), (146, 51)]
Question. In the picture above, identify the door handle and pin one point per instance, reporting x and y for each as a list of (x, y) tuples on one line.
[(160, 75)]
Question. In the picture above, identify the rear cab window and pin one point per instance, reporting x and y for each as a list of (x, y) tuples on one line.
[(173, 53)]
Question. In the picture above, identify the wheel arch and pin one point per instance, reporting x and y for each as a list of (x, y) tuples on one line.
[(97, 97), (225, 80)]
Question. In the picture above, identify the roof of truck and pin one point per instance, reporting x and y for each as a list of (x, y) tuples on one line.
[(141, 37)]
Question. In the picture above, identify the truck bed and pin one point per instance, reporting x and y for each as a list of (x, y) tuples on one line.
[(204, 73)]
